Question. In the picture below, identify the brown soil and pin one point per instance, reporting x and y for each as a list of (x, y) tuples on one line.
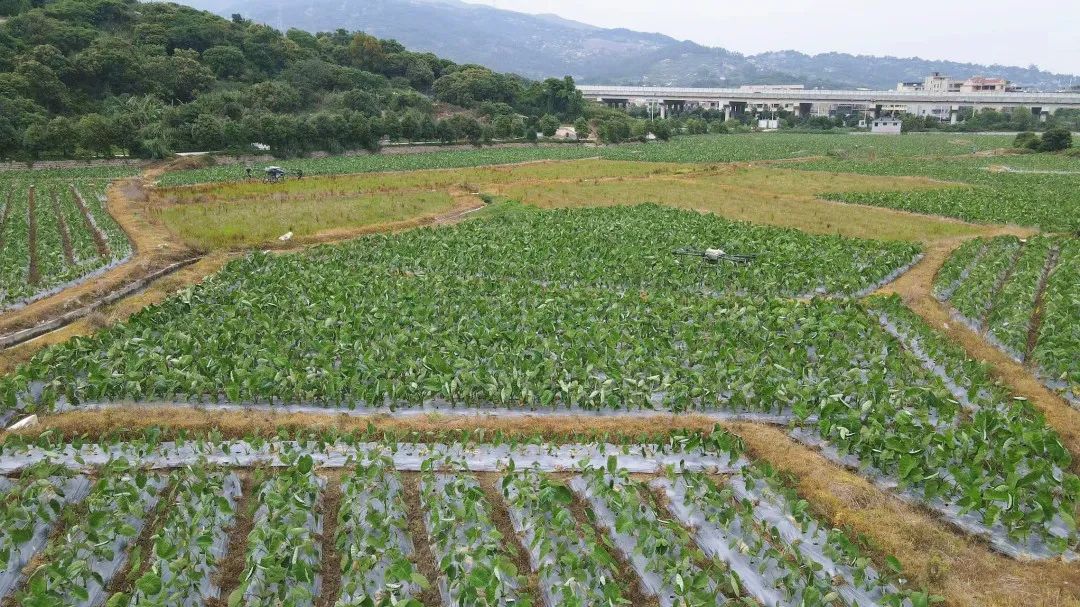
[(423, 557), (330, 567), (1037, 309), (33, 273), (65, 234), (511, 540), (130, 422), (100, 240), (962, 569), (231, 567)]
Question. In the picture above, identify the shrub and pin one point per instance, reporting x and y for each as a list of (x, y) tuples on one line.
[(1026, 139), (1055, 140)]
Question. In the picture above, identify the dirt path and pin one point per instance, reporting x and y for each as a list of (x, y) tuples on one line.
[(914, 288), (33, 272), (65, 233)]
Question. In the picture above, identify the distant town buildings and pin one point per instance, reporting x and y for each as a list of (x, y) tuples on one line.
[(936, 83)]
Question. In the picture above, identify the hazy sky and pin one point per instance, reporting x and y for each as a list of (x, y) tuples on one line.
[(1045, 33)]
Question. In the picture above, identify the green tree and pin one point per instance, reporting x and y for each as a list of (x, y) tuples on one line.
[(227, 62), (581, 127), (95, 134), (549, 125), (662, 129)]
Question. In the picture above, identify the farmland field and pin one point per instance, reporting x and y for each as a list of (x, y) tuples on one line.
[(705, 148), (568, 310), (252, 213), (54, 229), (1024, 294), (396, 515), (245, 224), (997, 192), (551, 400)]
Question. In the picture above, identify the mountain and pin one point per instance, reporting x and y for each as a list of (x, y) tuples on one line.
[(539, 46)]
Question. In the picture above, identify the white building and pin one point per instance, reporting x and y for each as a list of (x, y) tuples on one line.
[(886, 125)]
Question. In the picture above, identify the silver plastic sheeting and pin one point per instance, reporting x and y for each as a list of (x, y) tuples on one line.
[(194, 558), (439, 407), (74, 490), (105, 570), (463, 529), (760, 578), (1034, 548), (363, 505), (258, 585), (406, 456), (772, 509), (651, 583)]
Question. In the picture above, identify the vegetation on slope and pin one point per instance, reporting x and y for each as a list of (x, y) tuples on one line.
[(103, 76)]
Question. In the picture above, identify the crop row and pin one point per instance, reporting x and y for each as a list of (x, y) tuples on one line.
[(1047, 195), (1026, 296), (51, 234), (632, 249), (377, 555), (722, 148), (79, 563), (686, 538), (576, 566), (283, 555), (190, 542)]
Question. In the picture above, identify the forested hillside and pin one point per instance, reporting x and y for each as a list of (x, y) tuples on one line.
[(104, 77)]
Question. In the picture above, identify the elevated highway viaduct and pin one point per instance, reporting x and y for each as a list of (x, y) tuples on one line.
[(804, 102)]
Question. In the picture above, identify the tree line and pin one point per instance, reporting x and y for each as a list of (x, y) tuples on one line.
[(100, 77)]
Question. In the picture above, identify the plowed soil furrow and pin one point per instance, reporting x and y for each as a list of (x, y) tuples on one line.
[(423, 557), (624, 574), (231, 567), (33, 272), (100, 240), (984, 320), (65, 234), (511, 540), (330, 566), (1037, 310)]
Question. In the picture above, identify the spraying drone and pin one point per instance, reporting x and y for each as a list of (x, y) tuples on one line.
[(715, 256)]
